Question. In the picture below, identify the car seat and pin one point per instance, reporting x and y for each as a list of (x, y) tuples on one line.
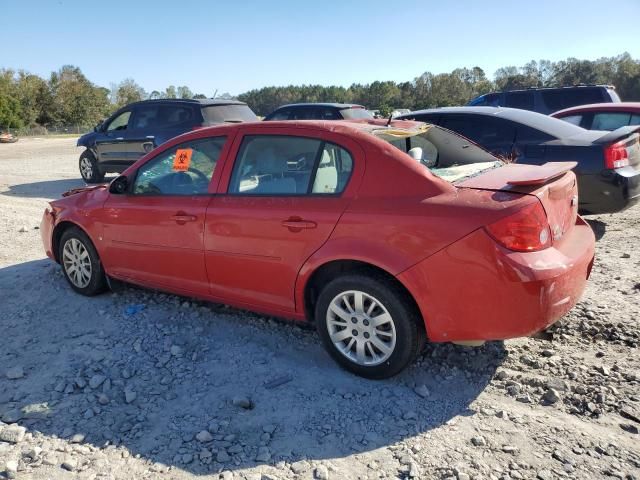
[(326, 180)]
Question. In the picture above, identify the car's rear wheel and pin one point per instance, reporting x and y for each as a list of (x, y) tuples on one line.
[(80, 262), (89, 169), (368, 325)]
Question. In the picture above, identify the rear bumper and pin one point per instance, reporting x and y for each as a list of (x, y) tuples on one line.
[(610, 191), (476, 290), (46, 230)]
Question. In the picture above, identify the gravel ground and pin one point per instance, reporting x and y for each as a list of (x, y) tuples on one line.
[(177, 389)]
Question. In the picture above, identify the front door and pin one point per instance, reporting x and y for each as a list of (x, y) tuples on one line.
[(154, 233), (283, 197), (111, 145)]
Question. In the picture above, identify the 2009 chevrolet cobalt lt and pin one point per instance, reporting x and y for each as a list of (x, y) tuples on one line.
[(384, 234)]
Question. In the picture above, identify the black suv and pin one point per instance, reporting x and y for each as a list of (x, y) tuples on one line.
[(548, 100), (319, 111), (139, 127)]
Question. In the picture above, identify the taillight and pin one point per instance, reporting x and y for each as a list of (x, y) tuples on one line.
[(527, 230), (616, 156)]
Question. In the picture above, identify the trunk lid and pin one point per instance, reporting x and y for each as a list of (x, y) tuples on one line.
[(554, 184)]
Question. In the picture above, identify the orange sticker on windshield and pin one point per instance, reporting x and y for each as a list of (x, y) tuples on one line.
[(183, 159)]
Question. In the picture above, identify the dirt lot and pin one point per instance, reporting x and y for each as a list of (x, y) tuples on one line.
[(184, 389)]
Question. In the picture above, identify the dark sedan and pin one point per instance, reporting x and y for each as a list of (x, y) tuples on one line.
[(320, 111), (608, 168)]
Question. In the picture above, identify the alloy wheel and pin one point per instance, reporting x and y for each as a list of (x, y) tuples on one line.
[(86, 168), (77, 262), (361, 328)]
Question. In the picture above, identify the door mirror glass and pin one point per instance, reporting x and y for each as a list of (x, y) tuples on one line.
[(119, 186)]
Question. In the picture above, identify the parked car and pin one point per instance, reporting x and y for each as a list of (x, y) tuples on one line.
[(328, 224), (608, 168), (7, 137), (138, 128), (602, 116), (319, 111), (548, 100)]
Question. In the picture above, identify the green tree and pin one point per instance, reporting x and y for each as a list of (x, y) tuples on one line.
[(128, 91)]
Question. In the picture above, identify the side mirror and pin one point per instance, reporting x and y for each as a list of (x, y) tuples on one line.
[(98, 127), (119, 186)]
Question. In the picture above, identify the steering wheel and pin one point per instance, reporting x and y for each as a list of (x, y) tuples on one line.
[(201, 176)]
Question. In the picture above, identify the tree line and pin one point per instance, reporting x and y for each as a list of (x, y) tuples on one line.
[(67, 97)]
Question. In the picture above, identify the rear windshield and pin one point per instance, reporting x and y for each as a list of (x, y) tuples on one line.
[(570, 97), (228, 114), (443, 152), (355, 113)]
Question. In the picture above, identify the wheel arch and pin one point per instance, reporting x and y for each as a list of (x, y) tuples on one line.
[(337, 267), (57, 233)]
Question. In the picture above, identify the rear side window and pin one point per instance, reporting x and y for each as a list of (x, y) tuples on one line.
[(304, 113), (522, 100), (281, 115), (635, 119), (182, 170), (287, 165), (481, 129), (610, 120), (171, 115), (570, 97), (146, 116), (528, 134), (573, 119), (228, 114)]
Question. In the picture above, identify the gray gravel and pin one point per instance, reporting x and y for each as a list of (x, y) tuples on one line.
[(185, 389)]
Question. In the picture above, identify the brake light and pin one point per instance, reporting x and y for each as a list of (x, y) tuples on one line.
[(527, 230), (616, 156)]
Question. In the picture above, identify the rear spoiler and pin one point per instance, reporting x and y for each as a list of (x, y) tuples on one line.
[(541, 174), (616, 135)]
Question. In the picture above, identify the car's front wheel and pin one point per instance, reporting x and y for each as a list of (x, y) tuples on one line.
[(80, 262), (369, 325), (89, 169)]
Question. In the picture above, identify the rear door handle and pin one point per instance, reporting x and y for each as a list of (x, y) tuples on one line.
[(183, 218), (295, 223)]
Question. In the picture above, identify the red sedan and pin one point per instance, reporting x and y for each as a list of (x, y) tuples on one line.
[(602, 116), (382, 235)]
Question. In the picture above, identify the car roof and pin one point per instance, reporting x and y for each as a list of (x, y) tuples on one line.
[(205, 102), (532, 89), (362, 129), (594, 107), (321, 104), (535, 120)]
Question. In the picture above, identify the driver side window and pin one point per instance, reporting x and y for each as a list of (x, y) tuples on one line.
[(120, 122), (185, 169)]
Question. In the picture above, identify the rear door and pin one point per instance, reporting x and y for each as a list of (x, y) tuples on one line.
[(279, 201)]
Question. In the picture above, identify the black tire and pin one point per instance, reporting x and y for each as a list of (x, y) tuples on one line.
[(409, 330), (94, 174), (96, 280)]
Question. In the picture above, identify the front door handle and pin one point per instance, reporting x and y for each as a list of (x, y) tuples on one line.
[(182, 218), (298, 223)]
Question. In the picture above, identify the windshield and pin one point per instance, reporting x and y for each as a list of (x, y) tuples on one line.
[(443, 152), (355, 113), (228, 113)]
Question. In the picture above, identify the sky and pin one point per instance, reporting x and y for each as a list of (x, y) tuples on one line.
[(235, 46)]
